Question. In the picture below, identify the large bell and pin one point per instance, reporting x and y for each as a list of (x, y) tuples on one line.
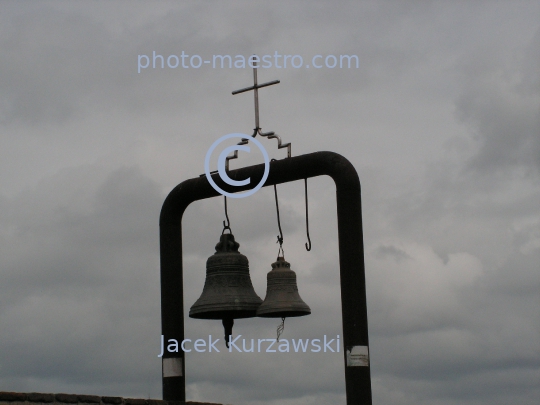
[(228, 293), (282, 298)]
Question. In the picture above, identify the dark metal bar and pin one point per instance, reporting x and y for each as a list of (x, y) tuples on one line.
[(351, 260), (255, 87)]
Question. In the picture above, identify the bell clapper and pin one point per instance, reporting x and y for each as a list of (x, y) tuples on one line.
[(280, 328), (227, 326)]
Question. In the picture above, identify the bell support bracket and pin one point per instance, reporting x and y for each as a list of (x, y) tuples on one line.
[(351, 262)]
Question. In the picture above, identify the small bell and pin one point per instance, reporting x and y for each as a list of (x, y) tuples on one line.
[(228, 293), (282, 298)]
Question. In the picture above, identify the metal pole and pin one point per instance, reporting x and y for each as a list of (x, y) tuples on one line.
[(351, 262)]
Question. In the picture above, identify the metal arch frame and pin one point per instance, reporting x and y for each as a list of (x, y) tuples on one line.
[(351, 260)]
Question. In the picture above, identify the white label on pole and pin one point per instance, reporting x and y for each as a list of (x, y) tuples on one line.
[(358, 356), (172, 367)]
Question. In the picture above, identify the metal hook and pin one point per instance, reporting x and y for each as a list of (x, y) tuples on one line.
[(308, 244), (228, 225), (280, 236)]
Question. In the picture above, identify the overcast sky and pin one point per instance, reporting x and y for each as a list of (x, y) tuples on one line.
[(440, 119)]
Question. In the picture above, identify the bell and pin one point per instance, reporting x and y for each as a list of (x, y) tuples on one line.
[(228, 293), (282, 298)]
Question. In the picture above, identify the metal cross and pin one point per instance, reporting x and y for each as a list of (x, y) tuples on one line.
[(256, 88), (257, 130), (270, 135)]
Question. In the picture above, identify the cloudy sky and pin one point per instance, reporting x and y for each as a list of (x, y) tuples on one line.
[(440, 119)]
